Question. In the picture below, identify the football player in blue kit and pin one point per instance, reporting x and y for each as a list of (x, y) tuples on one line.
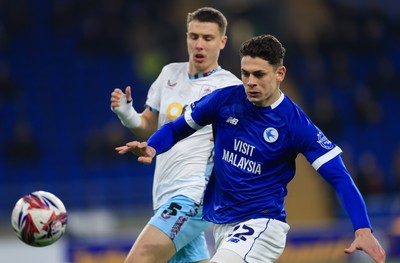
[(258, 132)]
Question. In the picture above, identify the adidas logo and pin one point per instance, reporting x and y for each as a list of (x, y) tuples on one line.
[(232, 120)]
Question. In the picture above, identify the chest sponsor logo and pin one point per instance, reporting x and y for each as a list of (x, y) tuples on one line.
[(241, 157), (174, 110)]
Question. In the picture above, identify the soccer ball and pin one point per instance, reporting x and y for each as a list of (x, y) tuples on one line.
[(39, 219)]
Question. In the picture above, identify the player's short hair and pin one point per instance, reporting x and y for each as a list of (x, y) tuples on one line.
[(209, 14), (266, 47)]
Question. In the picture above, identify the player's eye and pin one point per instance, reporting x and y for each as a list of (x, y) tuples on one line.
[(258, 74), (245, 73), (193, 36)]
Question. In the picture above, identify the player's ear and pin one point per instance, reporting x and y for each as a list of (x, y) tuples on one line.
[(224, 39), (280, 73)]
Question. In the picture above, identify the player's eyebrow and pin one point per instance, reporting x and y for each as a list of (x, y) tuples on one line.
[(257, 72), (206, 36)]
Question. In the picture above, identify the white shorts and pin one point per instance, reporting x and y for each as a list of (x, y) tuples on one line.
[(259, 240)]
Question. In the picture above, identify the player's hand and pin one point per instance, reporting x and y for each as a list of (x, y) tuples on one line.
[(121, 104), (146, 153), (118, 97), (128, 94), (366, 242)]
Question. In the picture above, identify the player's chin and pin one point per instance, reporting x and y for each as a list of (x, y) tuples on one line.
[(199, 65), (253, 99)]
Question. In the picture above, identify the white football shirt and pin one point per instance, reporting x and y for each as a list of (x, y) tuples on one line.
[(181, 170)]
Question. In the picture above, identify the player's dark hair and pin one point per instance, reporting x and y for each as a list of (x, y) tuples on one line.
[(209, 14), (266, 47)]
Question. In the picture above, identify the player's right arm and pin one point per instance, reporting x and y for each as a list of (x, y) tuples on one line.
[(143, 124), (170, 133), (144, 152), (161, 141)]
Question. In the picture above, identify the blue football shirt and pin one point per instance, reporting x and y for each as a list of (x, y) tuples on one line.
[(255, 151)]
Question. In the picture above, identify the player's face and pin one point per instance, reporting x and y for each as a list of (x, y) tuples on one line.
[(204, 43), (261, 80)]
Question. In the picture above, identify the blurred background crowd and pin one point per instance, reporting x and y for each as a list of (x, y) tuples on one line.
[(60, 60)]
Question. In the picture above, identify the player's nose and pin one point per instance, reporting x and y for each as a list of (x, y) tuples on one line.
[(251, 81), (199, 44)]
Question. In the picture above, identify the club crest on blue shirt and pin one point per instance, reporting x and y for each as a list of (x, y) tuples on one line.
[(270, 135), (324, 142)]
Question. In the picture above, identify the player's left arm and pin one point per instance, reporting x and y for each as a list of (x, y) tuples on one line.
[(336, 174), (325, 157), (330, 166), (365, 241)]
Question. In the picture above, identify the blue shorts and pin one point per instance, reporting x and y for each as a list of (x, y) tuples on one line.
[(181, 220)]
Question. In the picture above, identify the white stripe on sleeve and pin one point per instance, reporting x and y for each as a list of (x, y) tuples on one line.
[(326, 157), (189, 120)]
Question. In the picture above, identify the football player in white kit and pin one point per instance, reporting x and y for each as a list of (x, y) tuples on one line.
[(180, 176), (258, 132)]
